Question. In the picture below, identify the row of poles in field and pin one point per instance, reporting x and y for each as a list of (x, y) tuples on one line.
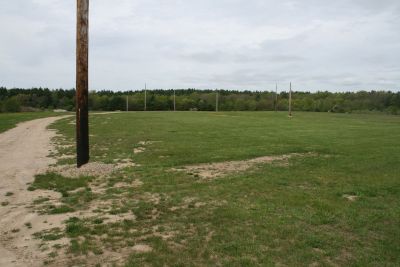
[(82, 84), (216, 100)]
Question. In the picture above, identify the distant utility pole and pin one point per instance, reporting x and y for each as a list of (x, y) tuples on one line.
[(276, 97), (290, 101), (145, 97), (216, 101), (174, 101), (127, 103), (82, 83)]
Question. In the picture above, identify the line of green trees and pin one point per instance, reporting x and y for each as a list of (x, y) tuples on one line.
[(16, 100)]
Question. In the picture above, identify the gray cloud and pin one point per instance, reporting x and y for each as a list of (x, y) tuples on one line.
[(235, 44)]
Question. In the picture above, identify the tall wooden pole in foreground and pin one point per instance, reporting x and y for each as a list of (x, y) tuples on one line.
[(290, 101), (82, 82)]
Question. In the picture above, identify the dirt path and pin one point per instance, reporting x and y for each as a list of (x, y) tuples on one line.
[(23, 153)]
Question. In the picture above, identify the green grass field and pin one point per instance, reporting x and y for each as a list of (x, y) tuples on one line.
[(10, 120), (338, 207)]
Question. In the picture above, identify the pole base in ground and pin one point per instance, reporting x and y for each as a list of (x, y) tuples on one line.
[(82, 83)]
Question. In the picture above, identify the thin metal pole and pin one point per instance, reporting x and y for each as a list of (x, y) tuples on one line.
[(216, 102), (276, 98), (290, 101), (82, 83), (174, 101), (145, 97)]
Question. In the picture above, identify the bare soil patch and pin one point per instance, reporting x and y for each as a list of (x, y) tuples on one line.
[(214, 170), (95, 169), (140, 248), (24, 153), (142, 146), (350, 198), (138, 150), (134, 184)]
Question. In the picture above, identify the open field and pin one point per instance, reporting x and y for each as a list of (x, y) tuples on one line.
[(9, 120), (318, 189)]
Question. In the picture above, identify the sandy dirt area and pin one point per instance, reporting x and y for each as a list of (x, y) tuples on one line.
[(24, 153), (220, 169)]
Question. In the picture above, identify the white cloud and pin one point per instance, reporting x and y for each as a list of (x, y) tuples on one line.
[(235, 44)]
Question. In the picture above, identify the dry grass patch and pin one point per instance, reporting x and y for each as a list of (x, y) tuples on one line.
[(141, 146), (350, 198), (140, 248), (220, 169)]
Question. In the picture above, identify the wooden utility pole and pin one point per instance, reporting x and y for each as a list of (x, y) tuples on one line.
[(216, 102), (145, 97), (82, 83), (276, 97), (290, 101), (174, 101)]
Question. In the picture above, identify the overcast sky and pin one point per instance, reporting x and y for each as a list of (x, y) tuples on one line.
[(341, 45)]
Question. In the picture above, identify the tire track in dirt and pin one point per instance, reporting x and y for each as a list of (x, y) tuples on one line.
[(24, 153)]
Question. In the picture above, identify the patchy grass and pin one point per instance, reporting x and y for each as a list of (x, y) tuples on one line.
[(49, 235), (338, 210), (75, 193), (56, 182), (40, 200), (10, 120), (60, 209), (80, 198)]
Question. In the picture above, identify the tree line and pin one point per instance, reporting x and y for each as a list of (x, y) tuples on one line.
[(17, 100)]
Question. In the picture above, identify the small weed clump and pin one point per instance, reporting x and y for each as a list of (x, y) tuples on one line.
[(76, 227), (60, 209), (49, 235), (40, 200)]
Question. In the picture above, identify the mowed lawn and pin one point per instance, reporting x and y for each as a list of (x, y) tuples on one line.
[(338, 207)]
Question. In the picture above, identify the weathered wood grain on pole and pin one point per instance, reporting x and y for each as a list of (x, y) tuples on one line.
[(290, 100), (82, 82)]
